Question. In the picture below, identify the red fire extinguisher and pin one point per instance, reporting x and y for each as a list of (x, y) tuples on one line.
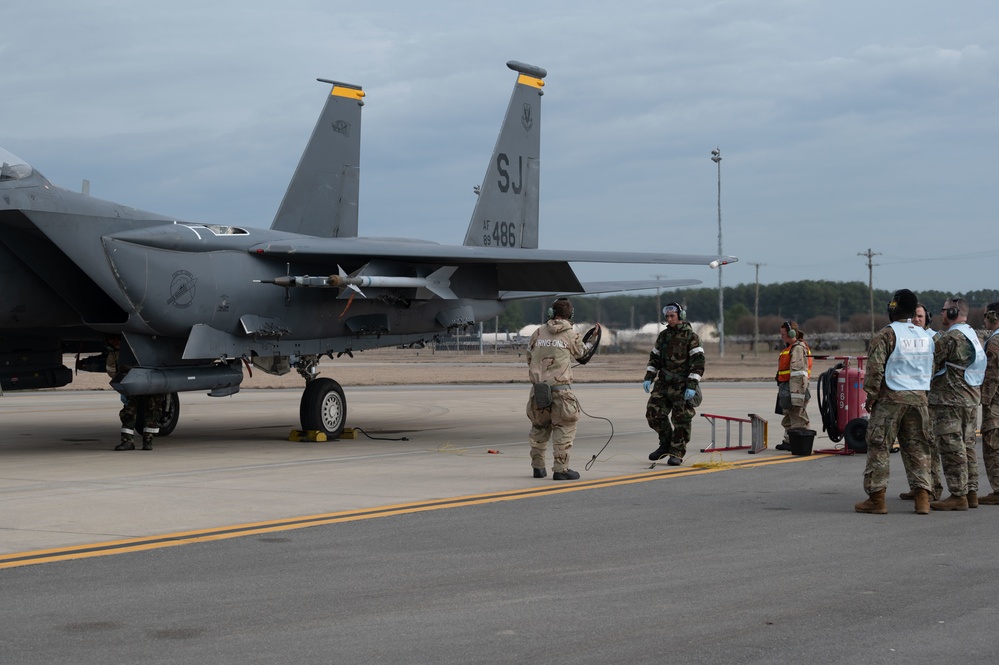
[(841, 402)]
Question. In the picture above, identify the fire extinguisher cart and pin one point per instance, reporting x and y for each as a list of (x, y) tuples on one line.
[(841, 403)]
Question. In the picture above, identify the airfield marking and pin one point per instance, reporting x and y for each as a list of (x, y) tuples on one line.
[(254, 528)]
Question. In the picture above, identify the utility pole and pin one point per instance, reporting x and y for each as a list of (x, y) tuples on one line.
[(870, 281), (756, 309), (716, 158)]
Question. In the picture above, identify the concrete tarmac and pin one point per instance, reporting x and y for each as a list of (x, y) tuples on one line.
[(437, 550), (229, 460)]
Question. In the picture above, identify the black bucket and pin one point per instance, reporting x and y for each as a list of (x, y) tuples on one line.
[(801, 441)]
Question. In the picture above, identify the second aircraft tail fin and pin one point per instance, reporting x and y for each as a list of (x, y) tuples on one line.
[(506, 212), (321, 199)]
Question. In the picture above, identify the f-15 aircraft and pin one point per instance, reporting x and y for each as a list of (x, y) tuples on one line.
[(196, 302)]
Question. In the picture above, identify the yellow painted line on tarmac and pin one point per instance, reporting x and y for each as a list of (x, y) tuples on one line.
[(255, 528)]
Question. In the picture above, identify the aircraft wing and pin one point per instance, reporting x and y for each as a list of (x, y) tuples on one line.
[(592, 288), (319, 250)]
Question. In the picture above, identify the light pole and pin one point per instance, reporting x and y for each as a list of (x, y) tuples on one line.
[(716, 158), (659, 309), (756, 309)]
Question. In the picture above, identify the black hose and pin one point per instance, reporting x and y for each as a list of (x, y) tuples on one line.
[(827, 402)]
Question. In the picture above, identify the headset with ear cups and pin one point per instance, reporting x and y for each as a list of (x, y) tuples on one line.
[(991, 316), (926, 311), (551, 309), (790, 331), (681, 314), (952, 312)]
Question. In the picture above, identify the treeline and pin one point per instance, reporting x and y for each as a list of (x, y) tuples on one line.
[(839, 305)]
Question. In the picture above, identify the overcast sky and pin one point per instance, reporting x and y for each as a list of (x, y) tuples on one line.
[(843, 125)]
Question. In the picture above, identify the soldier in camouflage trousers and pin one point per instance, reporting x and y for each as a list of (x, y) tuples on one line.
[(676, 365), (152, 406), (955, 393), (990, 405), (896, 381)]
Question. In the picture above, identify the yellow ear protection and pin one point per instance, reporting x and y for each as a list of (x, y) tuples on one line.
[(892, 306), (790, 331)]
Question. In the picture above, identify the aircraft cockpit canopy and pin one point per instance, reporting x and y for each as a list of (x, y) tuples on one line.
[(219, 229), (12, 167)]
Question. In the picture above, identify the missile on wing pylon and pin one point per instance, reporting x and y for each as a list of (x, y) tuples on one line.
[(437, 282)]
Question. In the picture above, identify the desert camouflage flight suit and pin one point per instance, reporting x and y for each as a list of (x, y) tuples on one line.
[(901, 415), (552, 349), (990, 411), (954, 410), (800, 371), (676, 363)]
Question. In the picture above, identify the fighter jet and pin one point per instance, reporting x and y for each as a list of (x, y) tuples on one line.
[(196, 303)]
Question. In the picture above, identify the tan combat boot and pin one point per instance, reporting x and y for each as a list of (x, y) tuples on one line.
[(953, 502), (972, 499), (875, 504), (922, 498), (907, 496), (990, 499)]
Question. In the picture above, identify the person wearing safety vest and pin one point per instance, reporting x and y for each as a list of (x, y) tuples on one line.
[(897, 381), (955, 393), (794, 368)]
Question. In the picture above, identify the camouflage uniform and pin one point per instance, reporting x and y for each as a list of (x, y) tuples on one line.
[(954, 409), (990, 411), (676, 363), (153, 405), (552, 349), (795, 389), (895, 414)]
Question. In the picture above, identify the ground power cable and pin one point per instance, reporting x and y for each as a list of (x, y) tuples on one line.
[(381, 438), (594, 458)]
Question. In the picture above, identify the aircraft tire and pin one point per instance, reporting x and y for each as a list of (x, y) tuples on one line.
[(324, 407), (855, 434), (171, 414), (169, 419)]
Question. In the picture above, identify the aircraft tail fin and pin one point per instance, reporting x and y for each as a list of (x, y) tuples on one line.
[(506, 212), (321, 199)]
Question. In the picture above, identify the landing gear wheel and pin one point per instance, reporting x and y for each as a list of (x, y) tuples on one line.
[(324, 408), (171, 414), (168, 419), (855, 434)]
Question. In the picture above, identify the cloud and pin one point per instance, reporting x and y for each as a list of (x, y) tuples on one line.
[(842, 125)]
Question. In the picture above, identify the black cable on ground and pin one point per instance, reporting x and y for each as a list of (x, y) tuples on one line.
[(380, 438), (594, 458)]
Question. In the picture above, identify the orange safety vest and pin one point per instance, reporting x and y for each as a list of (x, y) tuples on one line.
[(784, 362)]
